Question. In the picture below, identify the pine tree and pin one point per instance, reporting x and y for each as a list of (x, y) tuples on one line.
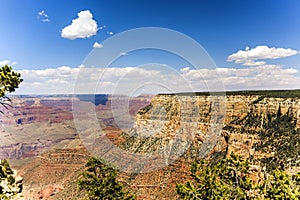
[(9, 81), (99, 182)]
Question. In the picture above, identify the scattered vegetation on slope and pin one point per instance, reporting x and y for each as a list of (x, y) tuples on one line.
[(278, 135), (229, 179), (99, 182)]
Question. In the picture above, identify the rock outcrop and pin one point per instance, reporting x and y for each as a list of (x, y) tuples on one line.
[(191, 117), (50, 172)]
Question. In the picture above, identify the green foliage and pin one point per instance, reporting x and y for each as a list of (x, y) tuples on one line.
[(99, 182), (8, 185), (280, 185), (278, 135), (229, 179), (9, 80)]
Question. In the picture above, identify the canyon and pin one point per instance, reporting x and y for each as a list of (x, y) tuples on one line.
[(40, 139)]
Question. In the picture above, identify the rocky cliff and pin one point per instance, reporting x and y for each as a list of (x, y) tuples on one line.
[(262, 126), (245, 120)]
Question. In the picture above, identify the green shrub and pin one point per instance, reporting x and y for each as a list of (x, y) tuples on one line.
[(99, 182)]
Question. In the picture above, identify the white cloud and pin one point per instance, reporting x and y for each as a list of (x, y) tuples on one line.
[(110, 33), (262, 77), (156, 79), (43, 16), (6, 62), (82, 27), (123, 54), (185, 69), (46, 20), (48, 81), (97, 45), (254, 57), (100, 80), (260, 74)]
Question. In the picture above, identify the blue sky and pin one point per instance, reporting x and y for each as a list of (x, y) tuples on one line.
[(32, 42)]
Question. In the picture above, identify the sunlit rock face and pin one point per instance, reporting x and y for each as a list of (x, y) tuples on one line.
[(261, 126), (183, 122)]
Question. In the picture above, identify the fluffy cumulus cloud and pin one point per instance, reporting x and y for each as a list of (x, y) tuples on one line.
[(155, 79), (53, 80), (259, 74), (256, 56), (97, 45), (67, 80), (252, 78), (82, 27)]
